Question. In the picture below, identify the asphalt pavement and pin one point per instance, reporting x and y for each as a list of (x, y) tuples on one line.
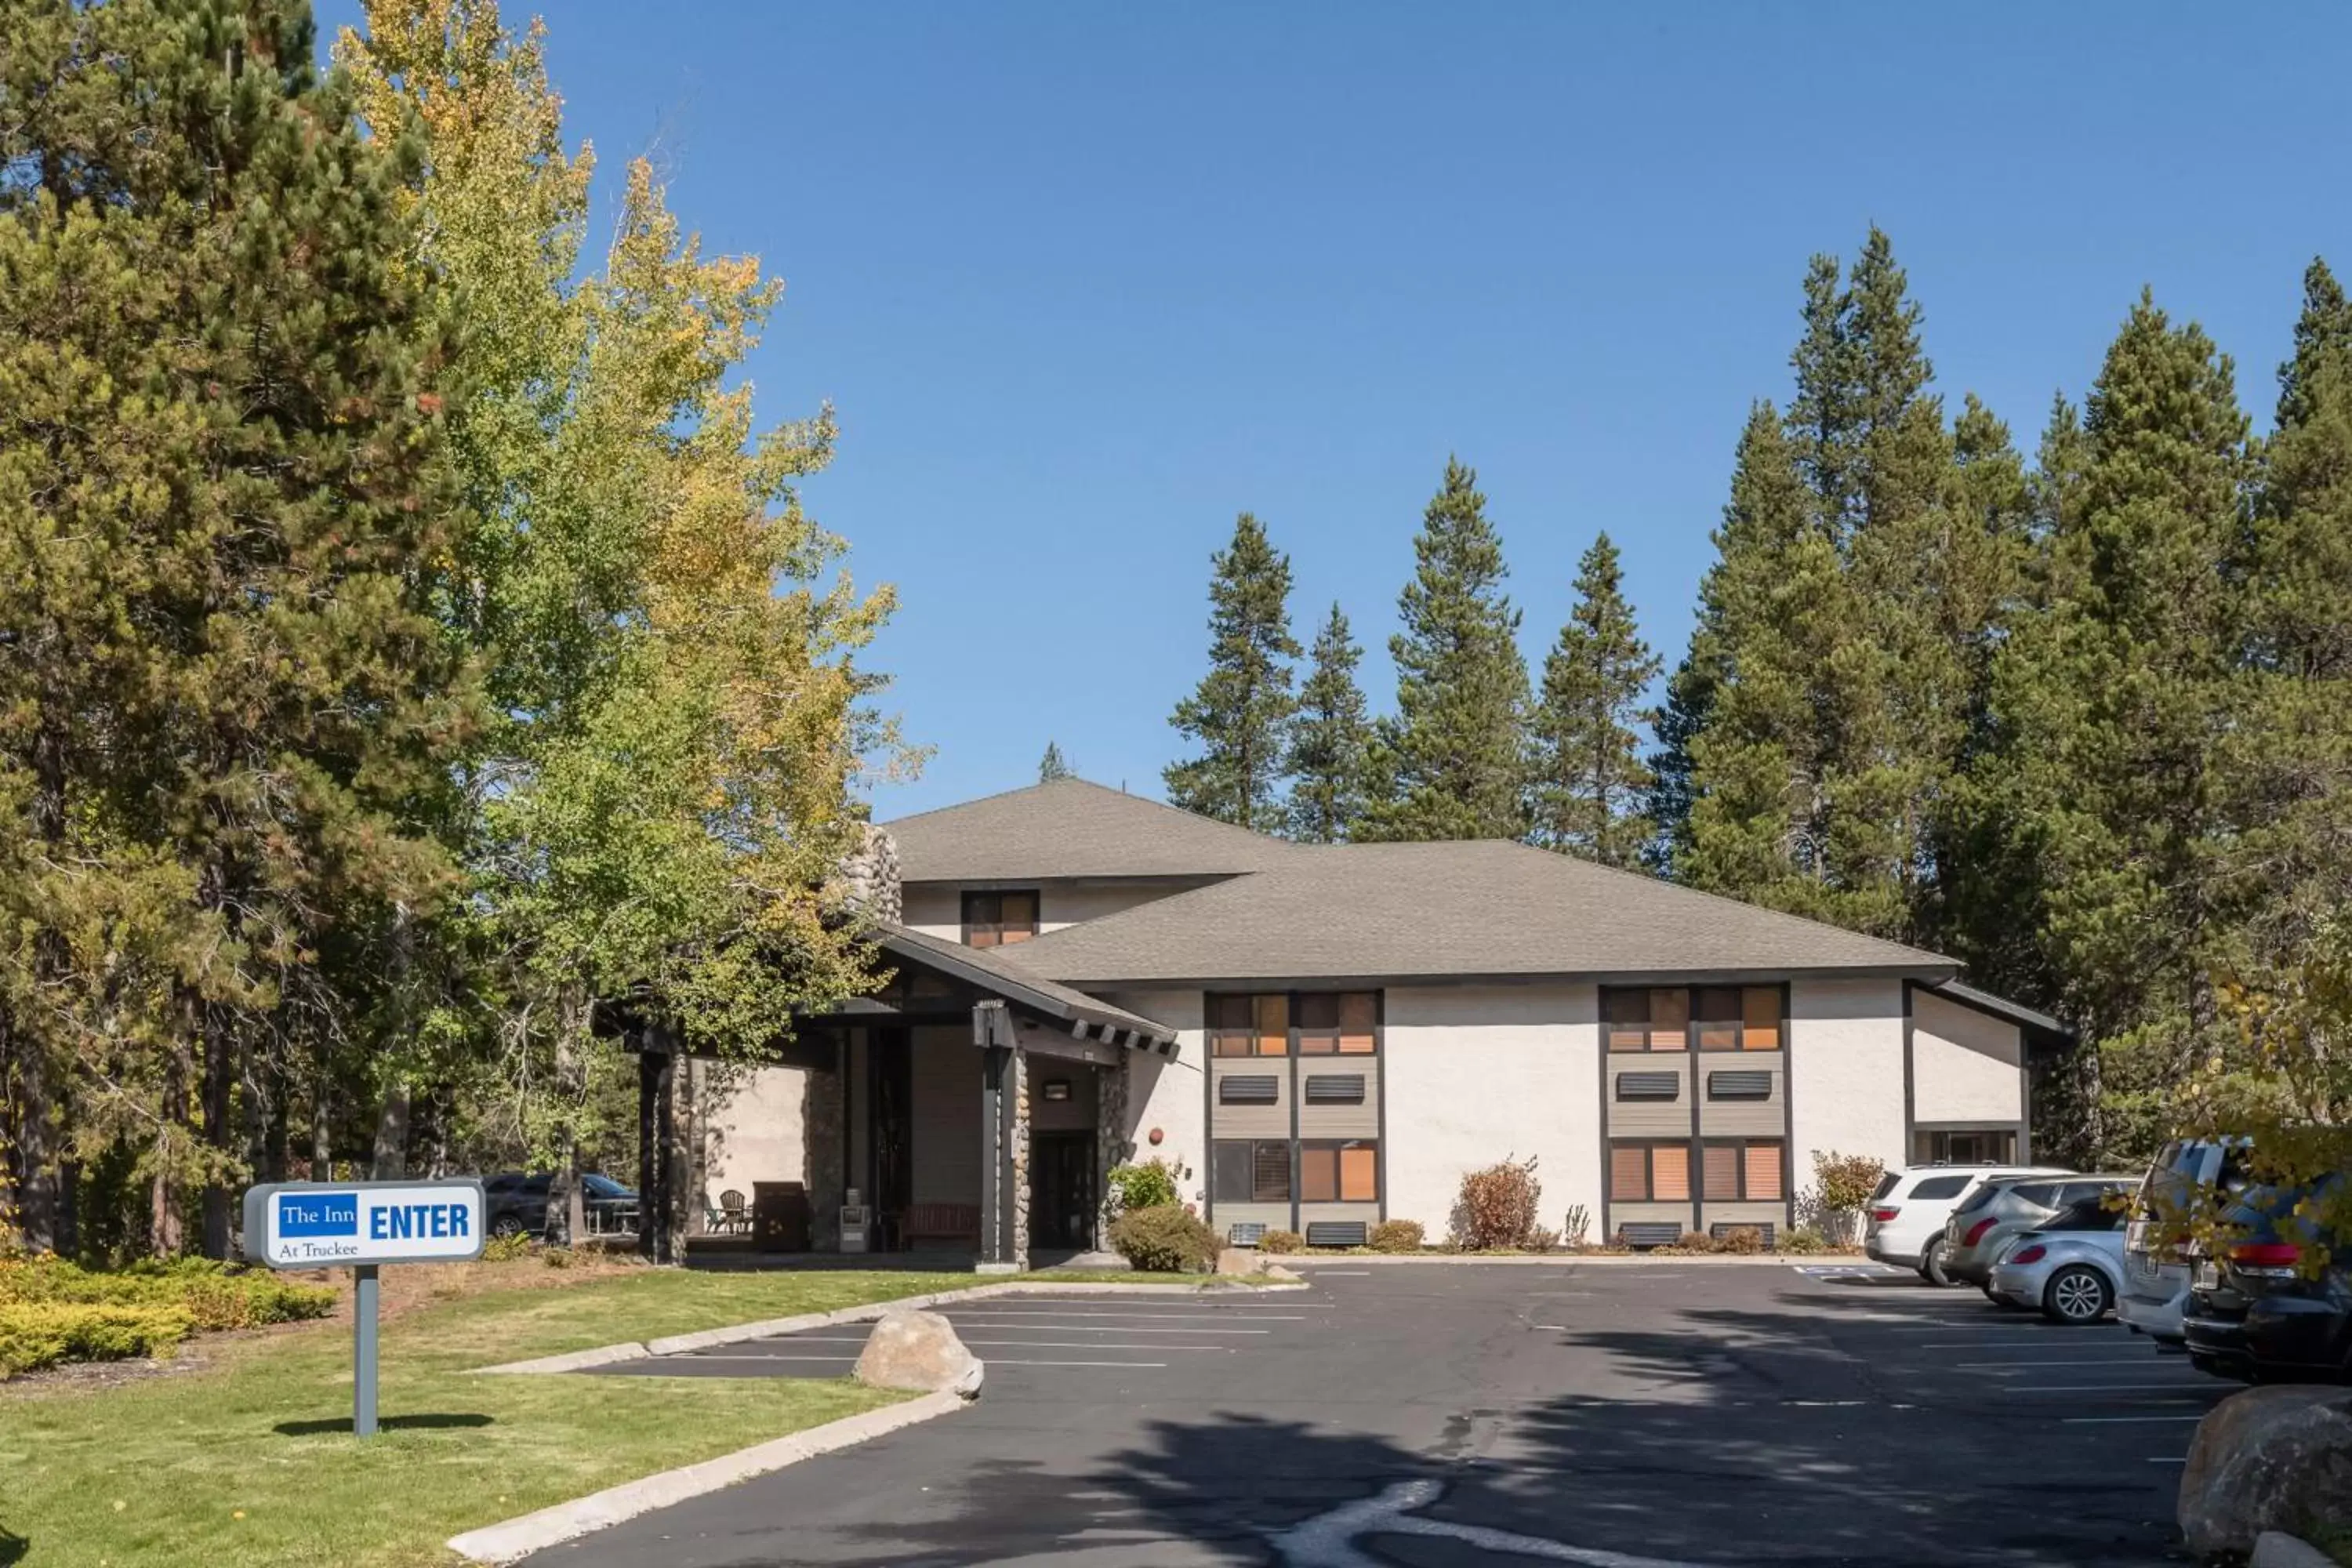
[(1427, 1416)]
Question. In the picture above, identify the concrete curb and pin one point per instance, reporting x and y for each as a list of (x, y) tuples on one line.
[(1580, 1260), (2277, 1549), (736, 1333), (518, 1538)]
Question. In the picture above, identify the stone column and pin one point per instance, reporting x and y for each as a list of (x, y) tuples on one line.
[(1017, 1069), (1114, 1145)]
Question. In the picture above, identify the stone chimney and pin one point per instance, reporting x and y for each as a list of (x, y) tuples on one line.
[(871, 873)]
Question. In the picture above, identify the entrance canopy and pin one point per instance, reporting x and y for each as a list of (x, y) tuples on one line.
[(936, 975)]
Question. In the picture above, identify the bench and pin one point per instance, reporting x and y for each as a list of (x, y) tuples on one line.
[(944, 1222)]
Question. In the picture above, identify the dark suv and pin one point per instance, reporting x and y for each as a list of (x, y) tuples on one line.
[(2254, 1314), (518, 1203)]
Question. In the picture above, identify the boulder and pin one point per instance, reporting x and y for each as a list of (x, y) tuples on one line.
[(919, 1351), (2270, 1459), (1238, 1260)]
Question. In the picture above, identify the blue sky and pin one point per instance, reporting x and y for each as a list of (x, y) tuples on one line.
[(1083, 282)]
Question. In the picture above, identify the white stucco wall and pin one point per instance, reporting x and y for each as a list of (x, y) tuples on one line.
[(1475, 1073), (1964, 1063), (935, 908), (1845, 1072), (751, 1127), (1168, 1092)]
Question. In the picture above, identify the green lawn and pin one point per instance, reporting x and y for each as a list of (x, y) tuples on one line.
[(250, 1461)]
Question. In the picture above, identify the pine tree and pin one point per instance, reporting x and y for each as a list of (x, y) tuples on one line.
[(2107, 776), (1458, 763), (2291, 758), (1590, 788), (1241, 711), (245, 457), (1330, 742), (1051, 767)]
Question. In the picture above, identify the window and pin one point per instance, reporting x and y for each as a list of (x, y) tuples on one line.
[(1343, 1173), (1744, 1172), (1272, 1017), (1334, 1089), (1249, 1088), (1743, 1084), (1965, 1146), (1249, 1171), (1336, 1023), (1739, 1017), (1938, 1187), (1655, 1020), (1230, 1034), (1649, 1172), (999, 920)]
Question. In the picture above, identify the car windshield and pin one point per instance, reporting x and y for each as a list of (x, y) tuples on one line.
[(603, 1187), (1886, 1185), (1984, 1195)]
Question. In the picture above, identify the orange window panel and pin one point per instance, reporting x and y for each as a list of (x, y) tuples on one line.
[(1318, 1173), (1719, 1172), (1670, 1173), (1760, 1017), (1669, 1020), (1273, 1026), (1359, 1174), (1628, 1172), (1358, 1010), (1764, 1184)]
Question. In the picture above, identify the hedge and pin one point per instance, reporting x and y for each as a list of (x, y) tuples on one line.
[(44, 1333), (51, 1311)]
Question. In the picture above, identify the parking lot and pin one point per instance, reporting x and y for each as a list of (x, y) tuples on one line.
[(1426, 1414)]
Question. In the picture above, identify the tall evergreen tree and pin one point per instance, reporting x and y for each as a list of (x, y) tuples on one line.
[(1590, 788), (1330, 741), (1459, 765), (236, 402), (1240, 714), (1051, 767), (2107, 774)]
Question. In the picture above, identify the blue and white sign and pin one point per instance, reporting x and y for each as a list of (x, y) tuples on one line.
[(327, 1224)]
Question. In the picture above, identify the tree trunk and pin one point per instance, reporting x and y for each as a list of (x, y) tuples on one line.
[(277, 1137), (680, 1187), (163, 1237), (322, 1103), (388, 1160), (220, 1058), (567, 1209), (648, 1150), (29, 1140)]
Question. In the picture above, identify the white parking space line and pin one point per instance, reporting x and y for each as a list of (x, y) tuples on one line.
[(2123, 1420), (2031, 1341), (2181, 1392), (1090, 1329), (694, 1356), (1084, 1346), (2036, 1365), (1127, 1364), (1121, 1316)]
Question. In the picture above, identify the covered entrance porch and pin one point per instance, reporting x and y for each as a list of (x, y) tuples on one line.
[(963, 1109)]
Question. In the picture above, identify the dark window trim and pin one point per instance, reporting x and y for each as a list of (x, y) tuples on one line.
[(1254, 1146), (995, 923), (1292, 1063)]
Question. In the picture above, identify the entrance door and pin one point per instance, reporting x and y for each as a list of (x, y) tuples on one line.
[(1061, 1191), (891, 1181)]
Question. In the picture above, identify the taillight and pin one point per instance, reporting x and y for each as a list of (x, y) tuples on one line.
[(1976, 1232), (2272, 1258), (2033, 1254), (1883, 1214)]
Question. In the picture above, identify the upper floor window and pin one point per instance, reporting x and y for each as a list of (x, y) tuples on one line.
[(1675, 1017), (1329, 1024), (999, 920)]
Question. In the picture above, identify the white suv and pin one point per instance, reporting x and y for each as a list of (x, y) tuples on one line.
[(1906, 1215)]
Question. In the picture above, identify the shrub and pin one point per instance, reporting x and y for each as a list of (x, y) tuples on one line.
[(1541, 1240), (1164, 1239), (507, 1248), (1695, 1241), (211, 1296), (1846, 1182), (44, 1333), (1804, 1239), (1282, 1241), (1396, 1235), (1579, 1220), (556, 1256), (1741, 1238), (1497, 1206), (1149, 1185)]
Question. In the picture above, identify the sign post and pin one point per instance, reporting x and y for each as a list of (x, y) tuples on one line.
[(362, 1226)]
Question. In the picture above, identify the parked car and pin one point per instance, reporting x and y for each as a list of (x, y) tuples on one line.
[(1905, 1225), (2070, 1267), (2156, 1270), (1986, 1221), (2254, 1314), (517, 1203)]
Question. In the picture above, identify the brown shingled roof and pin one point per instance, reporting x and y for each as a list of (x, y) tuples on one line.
[(1441, 909), (1072, 828)]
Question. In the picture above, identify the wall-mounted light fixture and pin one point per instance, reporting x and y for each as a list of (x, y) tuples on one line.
[(1057, 1089)]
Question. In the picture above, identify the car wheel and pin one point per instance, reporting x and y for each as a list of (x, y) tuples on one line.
[(2076, 1295), (507, 1224), (1931, 1265)]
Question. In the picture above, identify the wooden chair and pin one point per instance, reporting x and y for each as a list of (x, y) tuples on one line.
[(734, 1218)]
